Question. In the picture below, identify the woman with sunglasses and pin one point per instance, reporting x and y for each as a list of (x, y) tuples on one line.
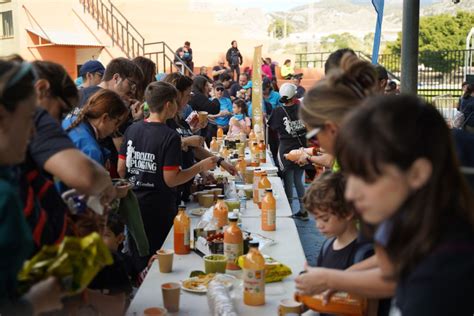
[(408, 182), (17, 106)]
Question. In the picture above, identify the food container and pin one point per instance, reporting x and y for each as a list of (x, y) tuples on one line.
[(215, 263), (206, 200), (232, 204)]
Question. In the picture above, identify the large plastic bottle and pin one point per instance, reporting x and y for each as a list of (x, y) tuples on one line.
[(214, 145), (241, 166), (182, 232), (262, 151), (233, 242), (268, 211), (254, 276), (263, 184), (221, 211), (256, 179)]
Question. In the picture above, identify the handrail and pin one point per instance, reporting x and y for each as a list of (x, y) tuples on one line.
[(127, 37)]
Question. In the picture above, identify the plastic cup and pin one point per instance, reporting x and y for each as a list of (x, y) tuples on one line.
[(171, 292), (165, 260), (215, 263), (289, 307), (202, 117)]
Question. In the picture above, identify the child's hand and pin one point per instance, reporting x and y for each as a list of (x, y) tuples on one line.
[(313, 282)]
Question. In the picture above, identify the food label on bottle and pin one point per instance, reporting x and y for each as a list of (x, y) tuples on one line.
[(254, 281), (187, 237), (271, 217), (261, 194), (233, 251)]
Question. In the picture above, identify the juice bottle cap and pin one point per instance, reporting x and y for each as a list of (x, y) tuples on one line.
[(268, 190), (221, 197), (253, 244), (182, 206), (233, 217)]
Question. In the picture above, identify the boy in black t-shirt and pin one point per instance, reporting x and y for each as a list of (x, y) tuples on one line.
[(336, 220), (151, 158)]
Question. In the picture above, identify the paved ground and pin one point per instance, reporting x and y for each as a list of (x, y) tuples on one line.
[(311, 238)]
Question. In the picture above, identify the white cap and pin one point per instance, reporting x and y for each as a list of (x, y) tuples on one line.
[(288, 90)]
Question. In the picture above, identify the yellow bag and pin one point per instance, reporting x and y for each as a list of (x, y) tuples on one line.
[(274, 270), (75, 262)]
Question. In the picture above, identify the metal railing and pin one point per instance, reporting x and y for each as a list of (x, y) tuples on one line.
[(440, 73), (129, 39)]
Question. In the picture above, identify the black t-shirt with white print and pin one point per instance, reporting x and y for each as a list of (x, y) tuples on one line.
[(150, 148), (291, 131)]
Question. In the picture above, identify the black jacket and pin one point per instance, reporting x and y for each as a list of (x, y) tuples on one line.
[(235, 53), (199, 102)]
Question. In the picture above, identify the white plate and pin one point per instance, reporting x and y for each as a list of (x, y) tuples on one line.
[(198, 211), (226, 278)]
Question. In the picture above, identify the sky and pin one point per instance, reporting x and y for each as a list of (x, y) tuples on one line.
[(281, 5)]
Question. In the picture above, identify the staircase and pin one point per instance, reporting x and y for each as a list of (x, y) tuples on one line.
[(128, 38)]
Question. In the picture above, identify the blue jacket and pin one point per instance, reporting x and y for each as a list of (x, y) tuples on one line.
[(226, 105), (83, 137)]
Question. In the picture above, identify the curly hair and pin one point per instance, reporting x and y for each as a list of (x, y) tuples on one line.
[(326, 194)]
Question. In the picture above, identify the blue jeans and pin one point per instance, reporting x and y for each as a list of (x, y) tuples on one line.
[(293, 177)]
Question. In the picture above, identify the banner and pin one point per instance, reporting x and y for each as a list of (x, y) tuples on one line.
[(378, 6), (257, 97)]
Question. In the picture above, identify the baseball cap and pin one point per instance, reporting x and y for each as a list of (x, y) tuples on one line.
[(92, 66), (288, 90)]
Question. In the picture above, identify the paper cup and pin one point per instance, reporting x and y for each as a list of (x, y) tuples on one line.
[(289, 306), (207, 200), (165, 260), (155, 311), (171, 292)]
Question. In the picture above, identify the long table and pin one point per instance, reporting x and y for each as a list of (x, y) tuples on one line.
[(287, 249)]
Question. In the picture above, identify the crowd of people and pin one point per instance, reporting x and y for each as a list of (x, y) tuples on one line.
[(395, 208)]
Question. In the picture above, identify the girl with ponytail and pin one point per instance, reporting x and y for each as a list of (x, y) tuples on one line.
[(98, 119)]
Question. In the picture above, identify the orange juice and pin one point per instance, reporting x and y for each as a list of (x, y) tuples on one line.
[(254, 276), (225, 153), (182, 232), (268, 211), (220, 133), (263, 184), (233, 242), (214, 145), (241, 166), (221, 211), (255, 156), (256, 180), (262, 151)]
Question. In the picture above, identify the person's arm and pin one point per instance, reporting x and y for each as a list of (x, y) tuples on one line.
[(174, 177), (202, 153), (227, 57), (241, 58), (121, 168), (78, 171), (366, 264), (368, 283), (204, 104)]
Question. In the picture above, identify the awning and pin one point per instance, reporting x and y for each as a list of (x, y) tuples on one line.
[(65, 38)]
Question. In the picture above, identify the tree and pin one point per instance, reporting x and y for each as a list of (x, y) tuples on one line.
[(439, 34), (336, 41), (277, 27)]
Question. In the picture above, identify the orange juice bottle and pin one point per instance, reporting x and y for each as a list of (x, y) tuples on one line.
[(255, 162), (241, 166), (233, 242), (256, 180), (225, 153), (254, 276), (221, 211), (268, 211), (220, 133), (214, 145), (262, 151), (182, 232), (252, 136), (263, 184)]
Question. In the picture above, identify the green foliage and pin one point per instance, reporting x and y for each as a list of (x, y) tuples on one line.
[(439, 33), (278, 26), (336, 41)]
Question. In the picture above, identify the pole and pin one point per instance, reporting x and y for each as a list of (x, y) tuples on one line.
[(410, 32)]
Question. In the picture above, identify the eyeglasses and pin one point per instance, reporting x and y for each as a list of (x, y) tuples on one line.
[(132, 84)]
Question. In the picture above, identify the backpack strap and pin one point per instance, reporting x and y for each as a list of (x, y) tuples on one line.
[(362, 251), (326, 245)]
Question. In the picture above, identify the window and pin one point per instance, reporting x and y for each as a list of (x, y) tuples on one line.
[(6, 25)]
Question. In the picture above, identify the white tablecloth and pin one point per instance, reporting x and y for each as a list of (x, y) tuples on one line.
[(287, 250)]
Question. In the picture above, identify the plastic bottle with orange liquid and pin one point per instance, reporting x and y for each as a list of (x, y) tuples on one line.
[(221, 211), (254, 276), (256, 179), (262, 150), (182, 232), (220, 133), (268, 211), (263, 184), (214, 145), (233, 242)]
